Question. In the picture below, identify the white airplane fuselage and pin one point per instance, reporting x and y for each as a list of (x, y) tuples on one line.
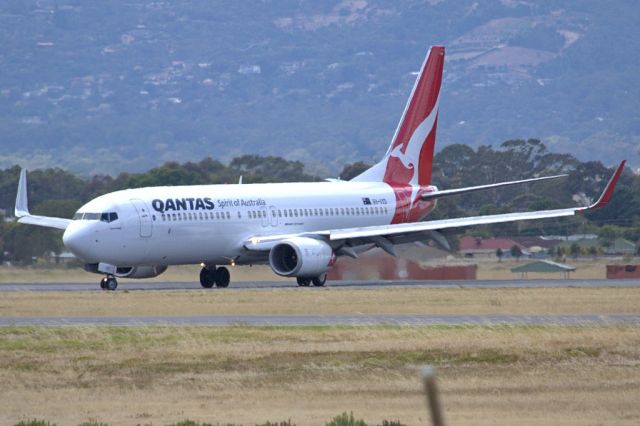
[(210, 223)]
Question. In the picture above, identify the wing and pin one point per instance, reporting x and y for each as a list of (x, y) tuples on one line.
[(385, 236), (22, 209)]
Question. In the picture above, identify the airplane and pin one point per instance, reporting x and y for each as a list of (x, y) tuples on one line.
[(298, 229)]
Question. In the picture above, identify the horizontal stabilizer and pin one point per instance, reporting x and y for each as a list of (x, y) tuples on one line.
[(449, 192)]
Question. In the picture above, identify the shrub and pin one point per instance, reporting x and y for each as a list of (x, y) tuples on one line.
[(345, 419), (34, 422), (93, 423), (392, 423), (282, 423)]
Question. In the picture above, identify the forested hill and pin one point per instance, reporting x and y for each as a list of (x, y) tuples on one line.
[(56, 192), (105, 87)]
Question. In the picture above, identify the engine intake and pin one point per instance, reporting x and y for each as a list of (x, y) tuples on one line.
[(301, 257)]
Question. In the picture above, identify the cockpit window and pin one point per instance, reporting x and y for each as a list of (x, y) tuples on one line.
[(103, 217)]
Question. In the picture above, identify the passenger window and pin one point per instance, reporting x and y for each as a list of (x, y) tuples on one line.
[(228, 215), (295, 212), (279, 213)]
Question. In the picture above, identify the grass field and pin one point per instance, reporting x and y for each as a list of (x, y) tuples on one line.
[(489, 375)]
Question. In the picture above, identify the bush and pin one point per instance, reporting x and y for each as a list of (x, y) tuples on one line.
[(345, 419), (93, 423), (282, 423), (392, 423), (34, 422), (190, 423)]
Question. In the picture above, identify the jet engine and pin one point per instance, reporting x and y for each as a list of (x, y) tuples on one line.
[(301, 257), (126, 271)]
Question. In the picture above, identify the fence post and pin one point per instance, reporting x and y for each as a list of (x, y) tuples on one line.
[(429, 378)]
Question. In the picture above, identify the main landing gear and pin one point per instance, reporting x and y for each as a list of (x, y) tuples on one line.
[(317, 281), (218, 276), (109, 283)]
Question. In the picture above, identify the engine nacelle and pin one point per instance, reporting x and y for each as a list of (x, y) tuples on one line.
[(140, 271), (125, 271), (301, 257)]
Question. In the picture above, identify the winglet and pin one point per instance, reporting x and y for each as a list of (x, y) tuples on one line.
[(608, 190), (22, 208)]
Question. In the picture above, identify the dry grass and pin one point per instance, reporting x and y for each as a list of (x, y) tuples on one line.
[(489, 375), (290, 301)]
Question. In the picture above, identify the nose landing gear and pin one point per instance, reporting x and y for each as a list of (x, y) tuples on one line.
[(212, 275), (109, 283)]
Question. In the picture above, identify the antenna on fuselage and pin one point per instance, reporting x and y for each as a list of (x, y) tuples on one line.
[(240, 180)]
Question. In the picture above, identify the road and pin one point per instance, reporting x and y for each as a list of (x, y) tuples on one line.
[(147, 286)]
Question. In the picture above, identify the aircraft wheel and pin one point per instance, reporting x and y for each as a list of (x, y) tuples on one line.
[(222, 277), (111, 284), (206, 278), (103, 283), (319, 281), (303, 281)]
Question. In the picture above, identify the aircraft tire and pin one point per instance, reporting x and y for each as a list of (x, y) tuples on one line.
[(103, 283), (222, 277), (111, 284), (303, 281), (319, 281), (206, 278)]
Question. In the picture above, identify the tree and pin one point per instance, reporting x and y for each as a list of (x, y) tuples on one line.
[(354, 169), (516, 252), (593, 251), (499, 254), (575, 250)]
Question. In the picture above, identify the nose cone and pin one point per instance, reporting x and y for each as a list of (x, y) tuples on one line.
[(77, 239)]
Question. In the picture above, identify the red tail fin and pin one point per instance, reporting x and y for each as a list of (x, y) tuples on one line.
[(409, 159)]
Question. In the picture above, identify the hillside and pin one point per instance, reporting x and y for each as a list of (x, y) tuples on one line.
[(103, 87)]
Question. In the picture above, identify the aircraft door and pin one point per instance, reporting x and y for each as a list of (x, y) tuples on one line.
[(146, 224), (265, 216), (273, 215)]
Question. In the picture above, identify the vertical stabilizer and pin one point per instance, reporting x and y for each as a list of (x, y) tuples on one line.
[(409, 159)]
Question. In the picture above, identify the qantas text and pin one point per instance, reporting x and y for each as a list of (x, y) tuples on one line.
[(176, 204)]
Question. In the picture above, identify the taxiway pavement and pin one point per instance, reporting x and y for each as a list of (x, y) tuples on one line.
[(147, 286)]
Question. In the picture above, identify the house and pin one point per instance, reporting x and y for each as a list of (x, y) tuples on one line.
[(621, 246), (536, 244), (487, 247)]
